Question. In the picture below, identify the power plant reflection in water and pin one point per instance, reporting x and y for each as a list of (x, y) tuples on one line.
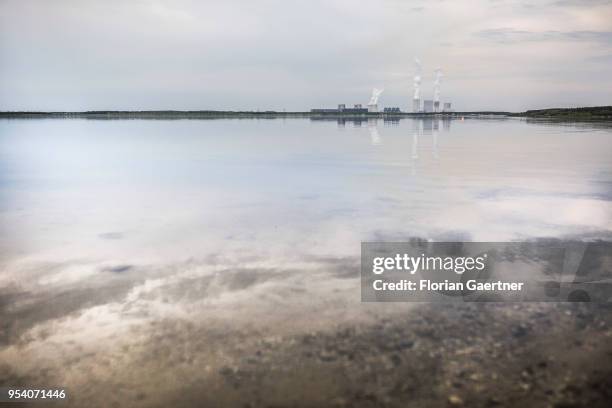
[(425, 133)]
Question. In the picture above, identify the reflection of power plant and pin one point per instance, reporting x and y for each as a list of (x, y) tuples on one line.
[(422, 127), (374, 135), (416, 127), (423, 144)]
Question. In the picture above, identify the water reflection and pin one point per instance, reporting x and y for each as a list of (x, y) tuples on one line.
[(373, 129), (76, 181), (116, 234)]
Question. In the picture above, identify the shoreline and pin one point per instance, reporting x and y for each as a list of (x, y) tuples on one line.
[(585, 114), (239, 114)]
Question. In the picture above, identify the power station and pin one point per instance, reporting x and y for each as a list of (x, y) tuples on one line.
[(429, 105), (418, 105)]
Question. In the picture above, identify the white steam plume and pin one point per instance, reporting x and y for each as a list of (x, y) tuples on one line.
[(438, 77), (417, 79), (375, 95)]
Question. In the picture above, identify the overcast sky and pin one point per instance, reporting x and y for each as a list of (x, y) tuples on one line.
[(295, 55)]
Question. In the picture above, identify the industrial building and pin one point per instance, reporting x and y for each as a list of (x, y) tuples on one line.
[(356, 109), (391, 110), (428, 105)]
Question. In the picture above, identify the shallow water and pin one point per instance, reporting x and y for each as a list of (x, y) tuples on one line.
[(115, 232)]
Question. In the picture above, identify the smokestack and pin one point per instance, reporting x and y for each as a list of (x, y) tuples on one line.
[(373, 104), (438, 77), (416, 100)]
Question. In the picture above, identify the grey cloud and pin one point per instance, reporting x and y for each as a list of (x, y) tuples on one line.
[(605, 59), (510, 35), (187, 54), (581, 3)]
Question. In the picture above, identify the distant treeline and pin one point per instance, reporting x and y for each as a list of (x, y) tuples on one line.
[(586, 113), (151, 114), (211, 114)]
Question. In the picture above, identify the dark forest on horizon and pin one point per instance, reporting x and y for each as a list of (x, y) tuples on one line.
[(582, 113)]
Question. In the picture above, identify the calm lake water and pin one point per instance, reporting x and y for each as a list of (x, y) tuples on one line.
[(108, 228), (147, 191)]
